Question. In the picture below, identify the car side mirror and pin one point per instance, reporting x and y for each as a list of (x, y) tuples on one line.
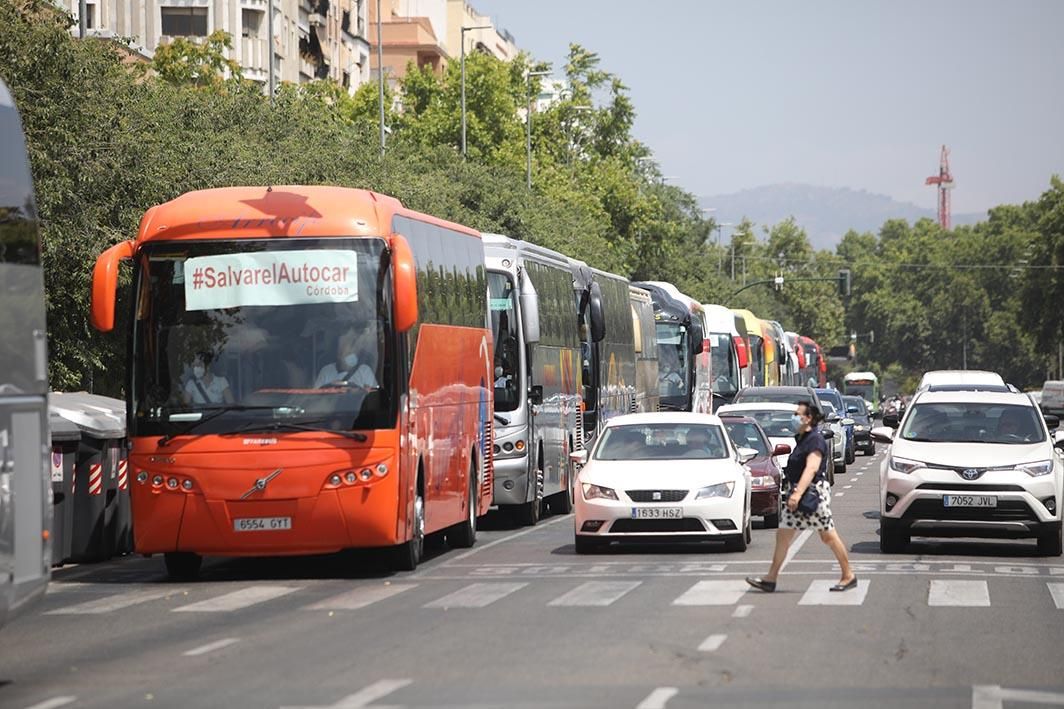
[(746, 454), (781, 449), (828, 434), (578, 457), (890, 420), (535, 395), (831, 418), (1052, 421), (882, 434)]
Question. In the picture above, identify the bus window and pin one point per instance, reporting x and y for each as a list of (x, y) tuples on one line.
[(502, 303)]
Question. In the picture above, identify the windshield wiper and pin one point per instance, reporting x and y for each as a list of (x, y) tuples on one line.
[(215, 412), (305, 426), (502, 419)]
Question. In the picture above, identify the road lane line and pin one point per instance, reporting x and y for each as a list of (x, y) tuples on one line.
[(953, 592), (798, 544), (364, 697), (713, 593), (114, 603), (238, 599), (1057, 591), (210, 647), (477, 595), (360, 597), (838, 494), (595, 593), (742, 611), (819, 593), (712, 643), (54, 703), (846, 487), (489, 545), (658, 698)]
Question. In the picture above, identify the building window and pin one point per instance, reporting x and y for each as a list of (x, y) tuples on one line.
[(251, 23), (90, 16), (184, 21)]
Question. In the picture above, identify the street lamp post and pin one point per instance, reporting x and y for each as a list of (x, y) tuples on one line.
[(528, 125), (462, 40), (720, 246), (380, 74)]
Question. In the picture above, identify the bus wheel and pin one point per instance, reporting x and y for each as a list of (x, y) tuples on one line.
[(182, 565), (528, 514), (408, 555), (464, 535)]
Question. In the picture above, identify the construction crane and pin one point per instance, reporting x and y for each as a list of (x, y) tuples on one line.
[(944, 181)]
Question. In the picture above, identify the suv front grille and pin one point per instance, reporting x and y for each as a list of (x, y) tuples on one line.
[(648, 495), (963, 487)]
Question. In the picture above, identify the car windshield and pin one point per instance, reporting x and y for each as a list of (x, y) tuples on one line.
[(775, 423), (244, 335), (502, 303), (725, 374), (973, 423), (746, 434), (662, 441), (855, 406)]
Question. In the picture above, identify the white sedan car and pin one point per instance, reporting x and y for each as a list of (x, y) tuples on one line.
[(670, 475)]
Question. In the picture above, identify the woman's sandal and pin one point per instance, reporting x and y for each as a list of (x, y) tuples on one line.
[(852, 583), (760, 584)]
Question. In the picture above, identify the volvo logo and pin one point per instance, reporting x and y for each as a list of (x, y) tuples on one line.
[(971, 473), (260, 484)]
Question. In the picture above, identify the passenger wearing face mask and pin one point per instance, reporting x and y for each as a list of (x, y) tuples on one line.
[(204, 387), (350, 368)]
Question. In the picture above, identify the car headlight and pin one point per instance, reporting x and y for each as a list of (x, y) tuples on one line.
[(592, 492), (718, 490), (1037, 470), (763, 481), (858, 427), (904, 465)]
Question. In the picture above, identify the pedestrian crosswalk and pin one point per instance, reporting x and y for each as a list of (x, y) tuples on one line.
[(105, 599)]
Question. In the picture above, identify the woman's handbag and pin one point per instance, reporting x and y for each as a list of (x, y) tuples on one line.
[(810, 501)]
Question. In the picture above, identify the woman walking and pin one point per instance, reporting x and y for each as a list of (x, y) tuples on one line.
[(806, 471)]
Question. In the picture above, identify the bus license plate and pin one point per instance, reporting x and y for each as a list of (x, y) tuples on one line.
[(969, 501), (261, 524), (657, 513)]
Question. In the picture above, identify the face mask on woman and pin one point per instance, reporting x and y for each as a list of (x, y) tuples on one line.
[(796, 422), (198, 371)]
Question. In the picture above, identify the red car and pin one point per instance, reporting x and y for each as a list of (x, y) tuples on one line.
[(765, 470)]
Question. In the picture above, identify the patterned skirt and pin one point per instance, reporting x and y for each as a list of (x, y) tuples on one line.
[(820, 520)]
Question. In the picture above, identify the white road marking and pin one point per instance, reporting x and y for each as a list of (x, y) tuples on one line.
[(953, 592), (364, 697), (838, 494), (489, 545), (658, 698), (114, 603), (61, 587), (712, 643), (713, 593), (360, 597), (595, 593), (238, 599), (819, 593), (795, 546), (476, 595), (211, 647), (993, 696), (54, 703), (742, 611), (846, 487), (1057, 591)]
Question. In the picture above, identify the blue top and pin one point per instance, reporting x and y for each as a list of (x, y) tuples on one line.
[(806, 443)]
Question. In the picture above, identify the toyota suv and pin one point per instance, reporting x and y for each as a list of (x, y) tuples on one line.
[(971, 464)]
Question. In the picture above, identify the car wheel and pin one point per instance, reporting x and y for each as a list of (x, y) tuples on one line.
[(892, 540), (871, 450), (851, 455), (772, 521), (182, 565), (1050, 544), (587, 546), (840, 468)]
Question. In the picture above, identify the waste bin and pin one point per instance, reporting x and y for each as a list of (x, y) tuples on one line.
[(65, 438), (99, 516)]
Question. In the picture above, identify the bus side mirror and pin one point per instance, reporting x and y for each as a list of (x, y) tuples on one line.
[(535, 395), (404, 280), (105, 284), (698, 338), (529, 311), (598, 316)]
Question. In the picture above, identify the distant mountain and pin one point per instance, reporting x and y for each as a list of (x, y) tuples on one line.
[(826, 213)]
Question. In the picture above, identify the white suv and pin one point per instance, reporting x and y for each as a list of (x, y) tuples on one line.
[(971, 464)]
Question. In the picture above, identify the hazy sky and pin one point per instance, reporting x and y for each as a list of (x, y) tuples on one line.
[(848, 93)]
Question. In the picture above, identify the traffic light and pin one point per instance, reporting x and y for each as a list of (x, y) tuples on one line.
[(844, 281)]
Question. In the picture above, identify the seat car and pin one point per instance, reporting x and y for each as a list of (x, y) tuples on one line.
[(672, 476), (857, 409), (775, 421), (834, 397), (971, 464), (765, 469)]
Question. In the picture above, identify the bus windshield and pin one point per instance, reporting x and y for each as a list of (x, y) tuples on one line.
[(862, 388), (672, 360), (725, 375), (259, 334), (503, 305)]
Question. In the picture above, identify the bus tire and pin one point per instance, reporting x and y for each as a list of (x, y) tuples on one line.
[(527, 515), (182, 565), (464, 535), (563, 501), (408, 554)]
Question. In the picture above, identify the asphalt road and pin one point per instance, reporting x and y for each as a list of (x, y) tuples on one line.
[(521, 621)]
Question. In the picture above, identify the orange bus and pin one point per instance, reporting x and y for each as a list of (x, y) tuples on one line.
[(310, 371)]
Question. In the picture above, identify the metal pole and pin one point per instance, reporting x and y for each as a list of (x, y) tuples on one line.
[(461, 34), (83, 24), (528, 132), (380, 74), (720, 253), (272, 82)]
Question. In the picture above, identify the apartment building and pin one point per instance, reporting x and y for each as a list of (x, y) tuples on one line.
[(312, 39), (411, 31), (488, 38)]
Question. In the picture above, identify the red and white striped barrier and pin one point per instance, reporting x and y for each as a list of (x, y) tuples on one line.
[(123, 475), (95, 479)]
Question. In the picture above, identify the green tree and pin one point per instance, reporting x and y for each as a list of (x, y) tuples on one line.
[(203, 64)]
